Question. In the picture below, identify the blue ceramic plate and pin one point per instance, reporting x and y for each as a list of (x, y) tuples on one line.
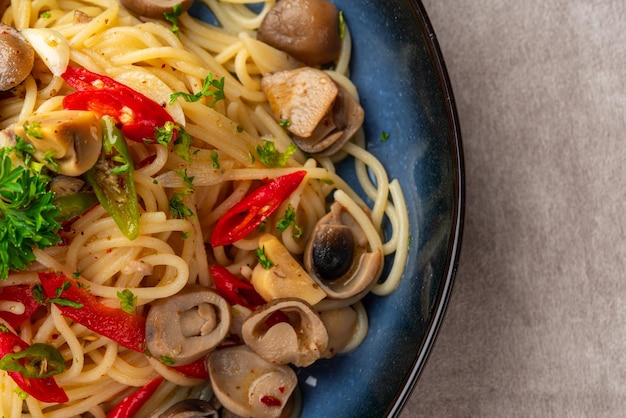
[(404, 88)]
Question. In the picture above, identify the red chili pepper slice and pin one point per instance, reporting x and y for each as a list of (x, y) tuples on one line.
[(139, 115), (196, 369), (235, 291), (275, 318), (253, 209), (128, 330), (19, 293), (131, 404), (44, 389), (269, 400)]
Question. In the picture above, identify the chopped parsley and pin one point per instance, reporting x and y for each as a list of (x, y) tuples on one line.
[(289, 218), (178, 208), (33, 129), (384, 136), (167, 360), (58, 300), (271, 157), (176, 205), (215, 159), (265, 262), (172, 17), (217, 92), (128, 300), (342, 25), (182, 140)]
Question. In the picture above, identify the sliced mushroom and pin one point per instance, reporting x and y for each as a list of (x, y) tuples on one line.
[(302, 96), (190, 408), (66, 185), (305, 29), (322, 115), (155, 9), (187, 325), (335, 129), (67, 141), (286, 331), (249, 386), (17, 57), (337, 257), (341, 324), (285, 278)]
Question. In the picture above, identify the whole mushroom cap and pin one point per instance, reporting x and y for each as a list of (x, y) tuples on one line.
[(17, 57), (308, 30)]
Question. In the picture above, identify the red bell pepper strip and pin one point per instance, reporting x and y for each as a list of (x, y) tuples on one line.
[(253, 209), (76, 303), (19, 293), (44, 389), (235, 291), (196, 369), (139, 115), (131, 404)]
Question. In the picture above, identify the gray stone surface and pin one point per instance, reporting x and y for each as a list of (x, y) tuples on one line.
[(536, 326)]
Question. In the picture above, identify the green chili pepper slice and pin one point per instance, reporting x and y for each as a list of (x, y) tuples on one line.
[(73, 205), (37, 361), (112, 180)]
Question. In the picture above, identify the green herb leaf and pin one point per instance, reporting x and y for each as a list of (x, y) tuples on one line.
[(27, 214), (128, 300), (167, 360), (289, 218), (178, 208), (187, 180), (342, 25), (182, 140), (172, 17), (384, 136), (265, 262), (210, 87), (271, 157), (33, 129), (215, 159)]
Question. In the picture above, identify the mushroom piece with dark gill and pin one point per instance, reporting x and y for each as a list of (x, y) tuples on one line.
[(337, 256)]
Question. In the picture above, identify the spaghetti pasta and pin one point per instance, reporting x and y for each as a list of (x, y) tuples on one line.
[(172, 253)]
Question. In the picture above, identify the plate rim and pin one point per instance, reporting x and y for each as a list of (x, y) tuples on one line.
[(456, 231)]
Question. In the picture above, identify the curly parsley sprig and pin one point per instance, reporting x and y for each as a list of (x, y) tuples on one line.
[(27, 214)]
